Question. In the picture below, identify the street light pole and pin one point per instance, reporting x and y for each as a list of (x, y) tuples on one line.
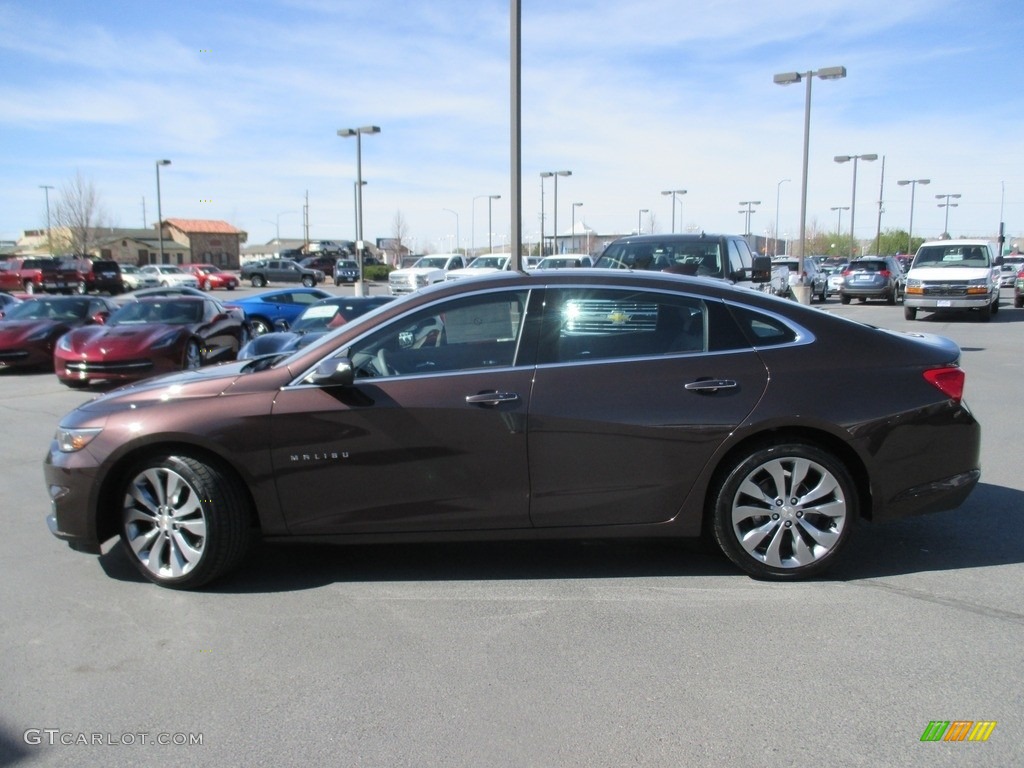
[(839, 222), (913, 188), (778, 192), (159, 210), (947, 205), (49, 238), (748, 210), (786, 78), (674, 192), (575, 247), (639, 220), (456, 215), (490, 233), (853, 201), (360, 246), (543, 175)]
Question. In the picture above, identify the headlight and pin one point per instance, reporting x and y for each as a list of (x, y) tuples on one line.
[(166, 341), (71, 440), (65, 342)]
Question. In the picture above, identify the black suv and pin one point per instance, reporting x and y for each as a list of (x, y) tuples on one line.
[(873, 277), (723, 256)]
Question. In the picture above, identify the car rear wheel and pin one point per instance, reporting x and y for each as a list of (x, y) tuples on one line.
[(1018, 302), (784, 512), (183, 522), (844, 299), (259, 326), (909, 313)]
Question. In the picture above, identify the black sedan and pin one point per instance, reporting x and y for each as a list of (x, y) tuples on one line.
[(314, 322), (567, 403)]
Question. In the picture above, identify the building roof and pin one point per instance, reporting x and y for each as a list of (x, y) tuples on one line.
[(204, 226)]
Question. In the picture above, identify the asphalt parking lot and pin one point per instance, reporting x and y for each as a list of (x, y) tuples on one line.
[(533, 654)]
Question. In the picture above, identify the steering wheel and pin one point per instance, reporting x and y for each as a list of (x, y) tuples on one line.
[(382, 365)]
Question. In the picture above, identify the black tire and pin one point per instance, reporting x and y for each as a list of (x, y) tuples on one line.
[(909, 313), (258, 281), (844, 299), (74, 384), (260, 325), (890, 299), (309, 282), (193, 357), (183, 522), (790, 532), (1018, 302)]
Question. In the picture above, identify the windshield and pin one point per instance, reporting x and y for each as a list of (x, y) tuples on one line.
[(44, 309), (169, 270), (494, 262), (434, 262), (169, 312), (958, 255), (346, 264)]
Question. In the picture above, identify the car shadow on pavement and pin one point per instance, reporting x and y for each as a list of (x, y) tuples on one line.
[(973, 536)]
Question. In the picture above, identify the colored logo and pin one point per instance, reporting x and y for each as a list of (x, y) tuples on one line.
[(958, 730)]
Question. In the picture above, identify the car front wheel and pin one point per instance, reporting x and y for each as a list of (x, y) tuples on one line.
[(259, 326), (784, 512), (909, 313), (309, 282), (258, 281), (193, 356), (183, 522)]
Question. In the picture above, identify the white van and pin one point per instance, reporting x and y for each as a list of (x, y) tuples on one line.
[(954, 275)]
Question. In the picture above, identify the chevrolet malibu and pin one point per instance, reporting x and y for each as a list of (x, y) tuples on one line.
[(566, 403)]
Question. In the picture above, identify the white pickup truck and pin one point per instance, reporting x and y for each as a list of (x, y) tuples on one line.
[(426, 271), (954, 275)]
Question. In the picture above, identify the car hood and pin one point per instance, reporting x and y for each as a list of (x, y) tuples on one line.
[(14, 331), (472, 271), (118, 339), (949, 273)]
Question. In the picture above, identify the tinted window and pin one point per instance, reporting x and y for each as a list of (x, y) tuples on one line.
[(473, 332), (697, 256), (583, 324), (762, 330)]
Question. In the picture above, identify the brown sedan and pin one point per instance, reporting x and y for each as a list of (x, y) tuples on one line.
[(577, 403)]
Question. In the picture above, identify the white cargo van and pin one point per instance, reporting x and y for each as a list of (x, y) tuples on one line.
[(954, 275)]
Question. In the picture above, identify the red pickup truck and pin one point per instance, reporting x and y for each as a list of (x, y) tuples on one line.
[(37, 274)]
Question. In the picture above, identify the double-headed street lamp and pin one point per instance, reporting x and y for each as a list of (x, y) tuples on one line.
[(674, 192), (748, 210), (456, 215), (853, 201), (787, 78), (490, 229), (360, 247), (913, 188), (554, 218), (639, 220), (159, 210), (947, 205), (839, 222)]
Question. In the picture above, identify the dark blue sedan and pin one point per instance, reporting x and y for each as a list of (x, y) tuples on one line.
[(277, 309)]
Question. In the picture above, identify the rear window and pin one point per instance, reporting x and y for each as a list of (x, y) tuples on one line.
[(696, 257), (868, 266)]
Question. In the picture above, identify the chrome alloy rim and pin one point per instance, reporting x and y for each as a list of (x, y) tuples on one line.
[(193, 358), (789, 512), (164, 522)]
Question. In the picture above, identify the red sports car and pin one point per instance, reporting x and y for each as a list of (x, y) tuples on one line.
[(211, 277), (148, 337), (30, 329)]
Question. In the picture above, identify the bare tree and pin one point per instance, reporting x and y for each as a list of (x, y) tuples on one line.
[(399, 232), (79, 213)]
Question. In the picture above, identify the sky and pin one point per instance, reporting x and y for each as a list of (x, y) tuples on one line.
[(245, 99)]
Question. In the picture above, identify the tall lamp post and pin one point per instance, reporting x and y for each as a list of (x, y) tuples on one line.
[(947, 205), (639, 220), (456, 215), (913, 188), (490, 232), (748, 210), (159, 210), (787, 78), (674, 192), (49, 238), (853, 200), (575, 247), (839, 221), (554, 217), (778, 192), (360, 246)]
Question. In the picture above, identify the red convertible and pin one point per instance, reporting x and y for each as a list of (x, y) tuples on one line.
[(150, 337), (29, 329)]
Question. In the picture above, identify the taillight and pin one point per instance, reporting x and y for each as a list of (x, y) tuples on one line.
[(846, 273), (949, 381), (885, 273)]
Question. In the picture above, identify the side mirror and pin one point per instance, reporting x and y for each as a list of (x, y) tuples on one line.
[(100, 318), (335, 372), (761, 271)]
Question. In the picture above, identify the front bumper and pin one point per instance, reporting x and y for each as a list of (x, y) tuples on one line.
[(946, 302)]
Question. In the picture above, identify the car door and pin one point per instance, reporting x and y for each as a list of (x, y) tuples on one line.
[(430, 437), (634, 392)]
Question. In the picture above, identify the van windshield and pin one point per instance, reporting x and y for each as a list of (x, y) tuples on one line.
[(952, 256)]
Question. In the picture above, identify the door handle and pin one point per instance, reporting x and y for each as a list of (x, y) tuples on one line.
[(711, 385), (491, 398)]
